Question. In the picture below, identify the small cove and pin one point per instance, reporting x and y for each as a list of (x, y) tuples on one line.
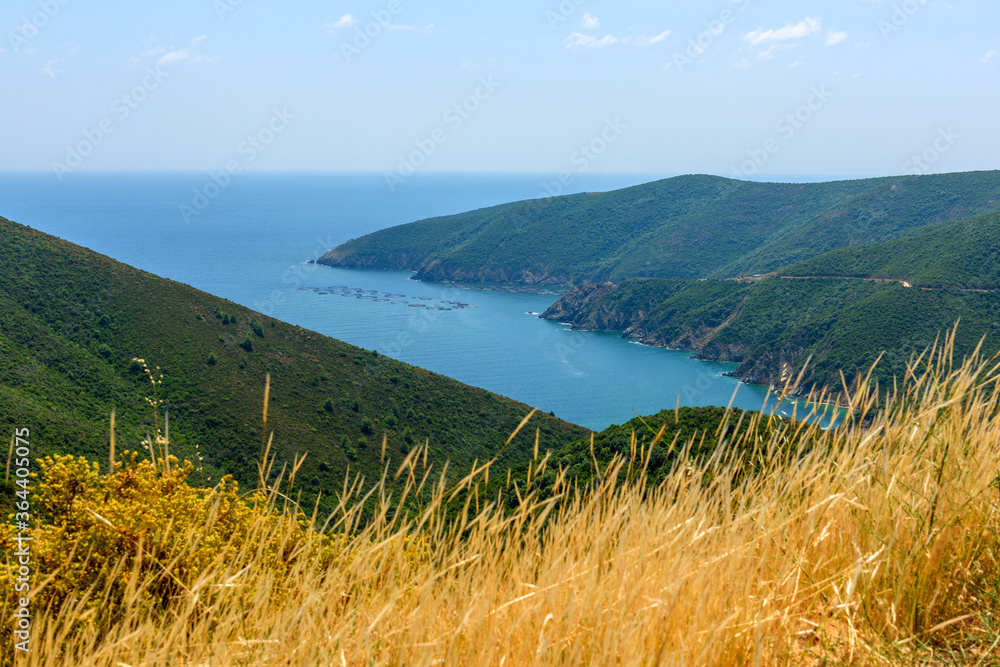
[(252, 245)]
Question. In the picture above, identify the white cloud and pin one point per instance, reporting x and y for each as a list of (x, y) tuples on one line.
[(53, 68), (345, 21), (804, 28), (180, 55), (590, 21), (767, 53), (578, 40), (649, 41), (50, 68), (137, 60), (988, 57), (834, 37), (396, 26), (190, 54)]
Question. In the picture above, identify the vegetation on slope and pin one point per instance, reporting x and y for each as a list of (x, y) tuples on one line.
[(874, 543), (962, 255), (686, 227), (75, 321), (773, 326)]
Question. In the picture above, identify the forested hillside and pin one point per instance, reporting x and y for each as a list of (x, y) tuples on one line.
[(964, 255), (687, 227)]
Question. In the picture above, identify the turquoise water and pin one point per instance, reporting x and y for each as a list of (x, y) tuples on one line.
[(253, 241)]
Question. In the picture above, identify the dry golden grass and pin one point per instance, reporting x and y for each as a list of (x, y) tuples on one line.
[(875, 543)]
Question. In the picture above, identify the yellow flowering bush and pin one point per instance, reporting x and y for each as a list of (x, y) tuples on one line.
[(136, 541)]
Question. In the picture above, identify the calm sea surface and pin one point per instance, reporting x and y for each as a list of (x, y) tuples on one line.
[(252, 242)]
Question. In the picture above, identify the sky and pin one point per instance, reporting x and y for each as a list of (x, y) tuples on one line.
[(741, 88)]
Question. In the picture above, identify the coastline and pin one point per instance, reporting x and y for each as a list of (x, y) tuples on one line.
[(795, 398)]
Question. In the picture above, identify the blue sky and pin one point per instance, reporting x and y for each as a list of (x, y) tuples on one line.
[(731, 87)]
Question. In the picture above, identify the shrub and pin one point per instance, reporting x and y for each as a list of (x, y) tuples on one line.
[(143, 523)]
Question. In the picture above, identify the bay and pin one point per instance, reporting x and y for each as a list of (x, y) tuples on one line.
[(251, 242)]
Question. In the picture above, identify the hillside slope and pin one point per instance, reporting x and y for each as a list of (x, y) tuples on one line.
[(962, 255), (680, 228), (74, 321)]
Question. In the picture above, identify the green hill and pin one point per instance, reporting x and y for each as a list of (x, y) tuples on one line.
[(680, 228), (770, 327), (74, 321), (964, 255)]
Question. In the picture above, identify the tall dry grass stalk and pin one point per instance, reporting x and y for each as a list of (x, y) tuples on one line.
[(872, 543)]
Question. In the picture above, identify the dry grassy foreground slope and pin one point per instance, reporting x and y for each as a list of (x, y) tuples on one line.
[(872, 544)]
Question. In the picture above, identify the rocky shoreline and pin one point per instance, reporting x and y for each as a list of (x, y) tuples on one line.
[(587, 308)]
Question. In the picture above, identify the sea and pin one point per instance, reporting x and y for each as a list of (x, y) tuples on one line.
[(250, 238)]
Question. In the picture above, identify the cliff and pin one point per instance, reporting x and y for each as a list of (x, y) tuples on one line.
[(771, 328)]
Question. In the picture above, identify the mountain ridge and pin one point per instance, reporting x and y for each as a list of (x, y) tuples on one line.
[(687, 227)]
